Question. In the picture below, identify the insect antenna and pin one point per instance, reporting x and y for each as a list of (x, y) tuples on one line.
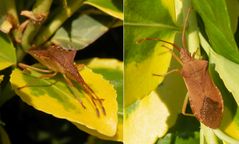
[(184, 28), (158, 39), (174, 55)]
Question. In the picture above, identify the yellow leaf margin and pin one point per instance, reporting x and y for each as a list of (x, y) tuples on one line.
[(59, 101), (107, 64)]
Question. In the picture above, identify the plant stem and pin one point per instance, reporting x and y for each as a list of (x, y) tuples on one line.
[(62, 14), (41, 7), (10, 7), (20, 54), (8, 10)]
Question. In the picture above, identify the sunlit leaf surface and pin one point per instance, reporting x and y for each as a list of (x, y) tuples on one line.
[(7, 52), (145, 120), (53, 96), (111, 70), (111, 7), (83, 31), (146, 19)]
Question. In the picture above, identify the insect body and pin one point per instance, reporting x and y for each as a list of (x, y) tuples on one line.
[(205, 99), (60, 60)]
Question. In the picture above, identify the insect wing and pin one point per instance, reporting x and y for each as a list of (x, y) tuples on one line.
[(205, 98)]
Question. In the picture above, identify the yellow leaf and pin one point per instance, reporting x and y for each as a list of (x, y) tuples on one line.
[(107, 7), (145, 120), (139, 80), (230, 125), (54, 97), (117, 137), (105, 63), (7, 52), (114, 67)]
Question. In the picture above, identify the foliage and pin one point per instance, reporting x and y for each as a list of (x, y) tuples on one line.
[(212, 25), (70, 24)]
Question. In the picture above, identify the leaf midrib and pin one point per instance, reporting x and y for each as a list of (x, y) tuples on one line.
[(150, 25)]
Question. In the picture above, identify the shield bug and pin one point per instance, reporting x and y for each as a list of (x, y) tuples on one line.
[(205, 98), (59, 60)]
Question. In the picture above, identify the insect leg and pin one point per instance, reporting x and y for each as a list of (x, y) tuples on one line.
[(174, 55), (169, 72), (48, 75), (172, 44), (185, 103), (95, 97), (158, 39), (42, 77), (90, 92), (184, 28), (80, 66), (24, 66), (68, 81), (196, 52)]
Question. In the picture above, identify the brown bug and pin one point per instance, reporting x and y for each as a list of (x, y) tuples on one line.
[(57, 59), (205, 99)]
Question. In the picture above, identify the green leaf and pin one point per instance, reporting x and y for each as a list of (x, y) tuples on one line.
[(218, 27), (228, 70), (180, 138), (184, 131), (83, 31), (111, 7), (95, 140), (144, 20), (233, 6), (172, 92), (7, 52), (53, 96), (4, 139), (60, 15), (230, 123)]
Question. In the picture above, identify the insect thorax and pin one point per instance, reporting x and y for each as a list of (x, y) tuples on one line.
[(185, 55)]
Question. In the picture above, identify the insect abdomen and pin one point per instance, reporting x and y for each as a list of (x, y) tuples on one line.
[(205, 98)]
